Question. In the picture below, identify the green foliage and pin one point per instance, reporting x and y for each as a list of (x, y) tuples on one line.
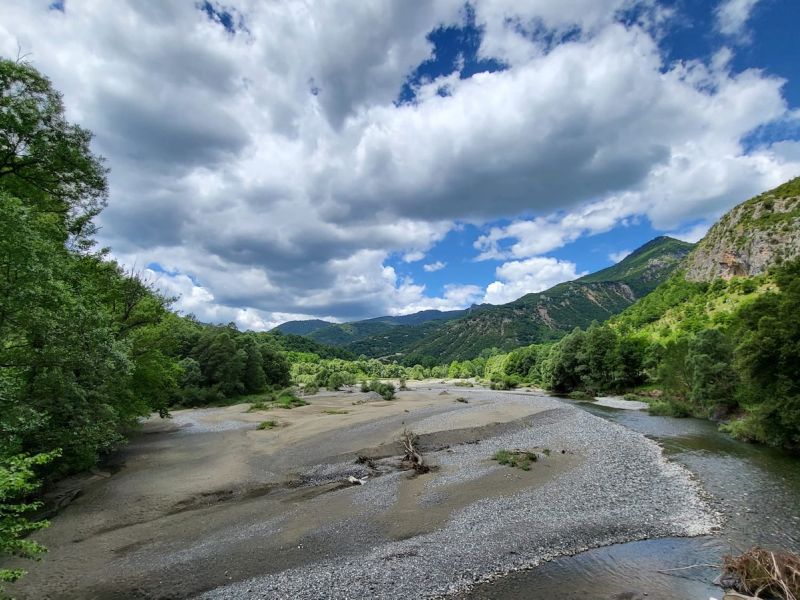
[(83, 347), (266, 425), (18, 481), (767, 355), (516, 458), (670, 408), (386, 390)]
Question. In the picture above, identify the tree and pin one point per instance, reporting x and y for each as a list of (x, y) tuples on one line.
[(44, 159), (709, 359), (768, 331), (254, 379), (17, 479)]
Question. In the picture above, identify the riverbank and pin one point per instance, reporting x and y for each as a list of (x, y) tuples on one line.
[(206, 504)]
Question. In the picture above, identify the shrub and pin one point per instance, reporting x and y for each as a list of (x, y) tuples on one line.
[(386, 390), (517, 458), (669, 408), (266, 425)]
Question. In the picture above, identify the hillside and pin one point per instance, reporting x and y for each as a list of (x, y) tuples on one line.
[(751, 237), (302, 327), (537, 317), (727, 268), (347, 333)]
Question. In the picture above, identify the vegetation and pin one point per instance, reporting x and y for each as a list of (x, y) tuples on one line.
[(266, 425), (516, 458), (764, 574), (386, 390)]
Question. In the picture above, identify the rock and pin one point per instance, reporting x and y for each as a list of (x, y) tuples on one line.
[(750, 238)]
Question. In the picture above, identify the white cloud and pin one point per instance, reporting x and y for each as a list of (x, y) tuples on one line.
[(691, 234), (520, 277), (732, 16), (435, 266), (274, 168), (615, 257), (455, 297)]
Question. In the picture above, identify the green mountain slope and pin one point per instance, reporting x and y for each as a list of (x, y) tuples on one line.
[(727, 268), (347, 333), (302, 327), (535, 317)]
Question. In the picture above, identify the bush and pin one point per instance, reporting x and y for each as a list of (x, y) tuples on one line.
[(517, 458), (669, 408), (267, 425), (17, 480), (386, 390)]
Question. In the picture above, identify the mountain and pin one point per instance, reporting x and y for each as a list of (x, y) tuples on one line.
[(302, 327), (536, 317), (727, 268), (347, 333), (751, 237)]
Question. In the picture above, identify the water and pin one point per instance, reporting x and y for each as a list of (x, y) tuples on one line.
[(757, 488)]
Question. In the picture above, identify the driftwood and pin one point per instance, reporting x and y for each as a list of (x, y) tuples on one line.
[(412, 455), (765, 574)]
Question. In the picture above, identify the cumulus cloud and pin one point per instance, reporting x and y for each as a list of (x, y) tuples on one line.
[(732, 16), (266, 161), (520, 277), (615, 257), (435, 266)]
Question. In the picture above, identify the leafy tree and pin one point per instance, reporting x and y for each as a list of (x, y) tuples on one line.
[(254, 379), (17, 479), (44, 159), (709, 359), (767, 355)]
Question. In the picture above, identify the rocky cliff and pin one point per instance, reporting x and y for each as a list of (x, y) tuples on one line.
[(750, 238)]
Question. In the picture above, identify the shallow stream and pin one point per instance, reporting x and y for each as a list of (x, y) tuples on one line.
[(756, 488)]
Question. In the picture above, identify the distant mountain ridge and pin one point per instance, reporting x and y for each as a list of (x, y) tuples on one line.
[(342, 334), (548, 315), (302, 327), (436, 336)]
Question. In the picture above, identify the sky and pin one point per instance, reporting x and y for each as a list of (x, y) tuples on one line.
[(338, 159)]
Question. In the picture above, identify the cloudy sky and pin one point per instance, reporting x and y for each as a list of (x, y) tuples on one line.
[(273, 160)]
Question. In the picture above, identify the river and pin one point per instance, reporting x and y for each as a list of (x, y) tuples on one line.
[(755, 487)]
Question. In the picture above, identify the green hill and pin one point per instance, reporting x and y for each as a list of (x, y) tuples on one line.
[(348, 333), (538, 317), (302, 327), (728, 268)]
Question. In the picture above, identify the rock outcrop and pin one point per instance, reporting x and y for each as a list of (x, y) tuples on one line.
[(751, 237)]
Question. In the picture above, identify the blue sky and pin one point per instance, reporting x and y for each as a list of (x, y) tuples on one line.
[(768, 43), (348, 159)]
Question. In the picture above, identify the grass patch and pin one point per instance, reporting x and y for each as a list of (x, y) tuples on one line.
[(462, 399), (580, 395), (464, 384), (267, 425), (333, 411), (516, 458), (285, 398)]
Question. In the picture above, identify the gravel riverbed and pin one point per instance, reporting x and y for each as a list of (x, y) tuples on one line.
[(621, 489)]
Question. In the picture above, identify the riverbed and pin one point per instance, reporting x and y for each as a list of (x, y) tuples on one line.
[(756, 488), (207, 505)]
